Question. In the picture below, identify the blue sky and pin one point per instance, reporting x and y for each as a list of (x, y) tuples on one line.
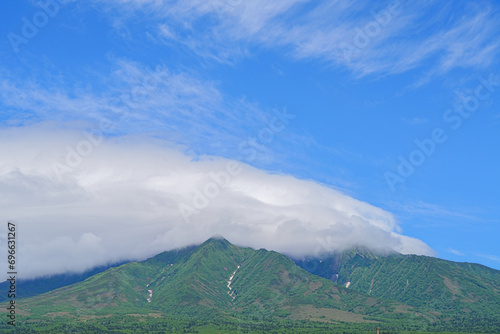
[(393, 104)]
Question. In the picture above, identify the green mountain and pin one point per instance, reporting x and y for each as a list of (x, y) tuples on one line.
[(458, 291), (217, 287), (36, 286)]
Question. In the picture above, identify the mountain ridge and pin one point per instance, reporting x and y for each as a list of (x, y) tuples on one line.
[(215, 280), (416, 280), (218, 280)]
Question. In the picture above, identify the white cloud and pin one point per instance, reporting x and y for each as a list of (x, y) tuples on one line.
[(427, 209), (368, 38), (490, 257), (183, 108), (122, 202), (455, 251)]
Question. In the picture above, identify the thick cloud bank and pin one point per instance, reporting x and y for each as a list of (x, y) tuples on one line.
[(81, 201)]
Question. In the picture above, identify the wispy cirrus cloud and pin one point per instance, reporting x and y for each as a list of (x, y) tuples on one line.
[(430, 210), (455, 252), (367, 38), (490, 257), (181, 107)]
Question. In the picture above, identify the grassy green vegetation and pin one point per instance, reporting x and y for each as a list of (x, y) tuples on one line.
[(221, 288), (33, 287), (460, 292), (138, 324)]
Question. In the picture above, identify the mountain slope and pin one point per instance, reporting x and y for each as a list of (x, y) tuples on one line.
[(220, 285), (216, 280), (442, 286), (33, 287)]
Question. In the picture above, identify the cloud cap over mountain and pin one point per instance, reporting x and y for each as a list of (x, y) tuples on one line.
[(130, 198)]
